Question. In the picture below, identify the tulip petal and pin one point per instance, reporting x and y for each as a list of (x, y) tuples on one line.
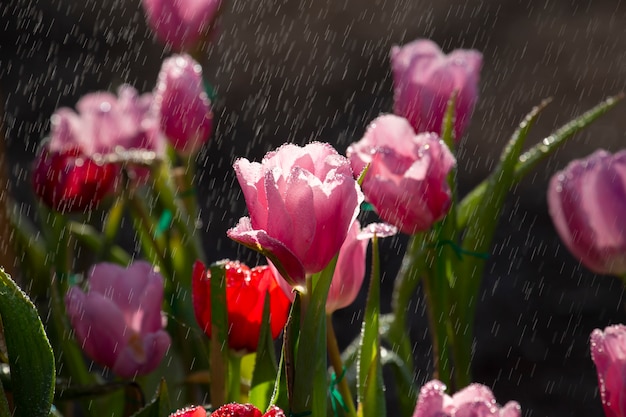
[(284, 260), (99, 325)]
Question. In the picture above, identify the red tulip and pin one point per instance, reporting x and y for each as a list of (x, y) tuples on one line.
[(196, 411), (246, 410), (245, 295), (68, 182)]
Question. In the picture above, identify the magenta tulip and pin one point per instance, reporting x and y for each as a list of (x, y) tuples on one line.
[(302, 202), (182, 104), (406, 180), (475, 400), (118, 322), (608, 351), (425, 78), (106, 124), (587, 202), (180, 23)]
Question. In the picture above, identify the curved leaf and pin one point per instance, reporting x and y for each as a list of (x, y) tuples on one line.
[(30, 356)]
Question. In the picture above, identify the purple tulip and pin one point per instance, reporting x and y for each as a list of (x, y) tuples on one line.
[(302, 202), (118, 322), (105, 124), (181, 23), (406, 180), (608, 351), (182, 104), (587, 202), (475, 400), (425, 78)]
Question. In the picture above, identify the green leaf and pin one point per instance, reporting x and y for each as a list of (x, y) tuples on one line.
[(4, 405), (371, 398), (311, 383), (265, 368), (219, 335), (482, 222), (447, 125), (285, 379), (30, 356), (528, 160), (111, 226), (28, 242), (91, 238), (159, 406), (481, 226)]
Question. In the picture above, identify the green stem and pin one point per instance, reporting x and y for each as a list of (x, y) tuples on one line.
[(335, 359), (439, 333), (182, 219), (111, 226), (72, 356), (234, 377), (407, 280), (153, 247)]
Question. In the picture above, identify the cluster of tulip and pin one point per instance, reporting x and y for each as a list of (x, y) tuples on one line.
[(132, 156)]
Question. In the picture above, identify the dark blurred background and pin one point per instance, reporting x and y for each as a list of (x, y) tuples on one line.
[(318, 70)]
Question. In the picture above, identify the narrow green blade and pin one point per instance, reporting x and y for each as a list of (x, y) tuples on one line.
[(371, 397)]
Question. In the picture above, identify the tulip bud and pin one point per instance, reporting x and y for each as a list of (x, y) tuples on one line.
[(475, 400), (67, 182), (425, 78), (302, 201), (245, 295), (118, 321), (180, 23), (406, 181), (182, 104), (587, 202), (608, 351)]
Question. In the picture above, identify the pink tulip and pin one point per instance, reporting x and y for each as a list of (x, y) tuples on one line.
[(180, 23), (118, 321), (425, 78), (106, 124), (302, 202), (406, 180), (608, 351), (475, 400), (182, 104), (350, 269), (587, 202)]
